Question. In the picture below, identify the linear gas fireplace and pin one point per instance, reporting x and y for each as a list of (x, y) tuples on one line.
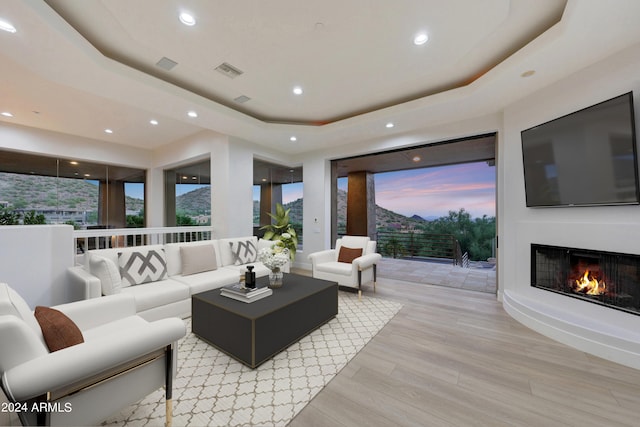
[(605, 278)]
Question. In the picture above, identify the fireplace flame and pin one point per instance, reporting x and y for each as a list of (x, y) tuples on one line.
[(589, 285)]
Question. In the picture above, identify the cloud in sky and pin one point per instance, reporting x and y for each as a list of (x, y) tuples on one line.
[(426, 192), (291, 192), (435, 191)]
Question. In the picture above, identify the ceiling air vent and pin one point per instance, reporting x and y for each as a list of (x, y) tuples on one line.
[(228, 70), (166, 64), (242, 99)]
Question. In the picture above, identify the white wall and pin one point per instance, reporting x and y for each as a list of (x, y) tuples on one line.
[(232, 197), (54, 144), (192, 149), (154, 198), (231, 178), (34, 261), (605, 332), (316, 208)]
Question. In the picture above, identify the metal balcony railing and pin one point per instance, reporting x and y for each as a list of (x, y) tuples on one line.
[(85, 240), (421, 246)]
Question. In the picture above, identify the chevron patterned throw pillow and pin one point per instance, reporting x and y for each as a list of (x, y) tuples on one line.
[(243, 252), (142, 266)]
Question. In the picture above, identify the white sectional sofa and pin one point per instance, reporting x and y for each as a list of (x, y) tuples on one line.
[(162, 278)]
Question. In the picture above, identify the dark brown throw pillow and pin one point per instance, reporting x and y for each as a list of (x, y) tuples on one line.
[(348, 254), (58, 330)]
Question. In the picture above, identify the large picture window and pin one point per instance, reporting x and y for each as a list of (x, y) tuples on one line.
[(415, 198), (47, 190), (188, 194), (275, 184)]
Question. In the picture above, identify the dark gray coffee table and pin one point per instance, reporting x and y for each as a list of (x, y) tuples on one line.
[(254, 332)]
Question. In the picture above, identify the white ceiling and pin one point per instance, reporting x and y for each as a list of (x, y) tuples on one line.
[(90, 65)]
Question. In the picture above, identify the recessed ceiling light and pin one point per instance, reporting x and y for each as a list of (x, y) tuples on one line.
[(108, 131), (192, 114), (87, 175), (73, 162), (416, 159), (293, 139), (187, 19), (389, 125), (153, 122), (297, 90), (6, 114), (528, 73), (4, 25), (420, 39)]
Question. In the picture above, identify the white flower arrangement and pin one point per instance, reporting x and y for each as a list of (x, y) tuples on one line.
[(282, 231), (275, 257)]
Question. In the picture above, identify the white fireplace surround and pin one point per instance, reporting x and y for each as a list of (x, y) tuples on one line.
[(602, 331), (605, 332)]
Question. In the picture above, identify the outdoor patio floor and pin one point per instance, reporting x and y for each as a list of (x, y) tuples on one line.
[(478, 277)]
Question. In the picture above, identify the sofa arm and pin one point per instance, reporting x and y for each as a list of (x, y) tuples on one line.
[(328, 255), (83, 285), (365, 261), (99, 311), (19, 343), (75, 364)]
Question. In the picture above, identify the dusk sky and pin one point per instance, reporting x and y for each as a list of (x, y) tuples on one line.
[(429, 192), (433, 192)]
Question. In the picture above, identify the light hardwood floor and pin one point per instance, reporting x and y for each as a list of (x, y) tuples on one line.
[(454, 357)]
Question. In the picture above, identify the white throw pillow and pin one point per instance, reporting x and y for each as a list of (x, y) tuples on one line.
[(198, 258), (243, 251), (108, 273), (143, 266)]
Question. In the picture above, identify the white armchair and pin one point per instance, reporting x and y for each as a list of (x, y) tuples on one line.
[(351, 263), (123, 358)]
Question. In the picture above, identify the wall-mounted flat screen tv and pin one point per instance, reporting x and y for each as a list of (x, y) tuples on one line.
[(585, 158)]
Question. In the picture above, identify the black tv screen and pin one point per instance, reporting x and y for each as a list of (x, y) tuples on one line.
[(585, 158)]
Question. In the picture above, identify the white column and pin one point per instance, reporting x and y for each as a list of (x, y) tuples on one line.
[(154, 198), (231, 189), (316, 174)]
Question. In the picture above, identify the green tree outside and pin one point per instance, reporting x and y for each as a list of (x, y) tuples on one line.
[(31, 218), (184, 220), (475, 236)]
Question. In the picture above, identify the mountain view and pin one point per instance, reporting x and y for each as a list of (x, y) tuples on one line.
[(38, 193), (41, 193), (384, 217), (196, 202), (76, 201)]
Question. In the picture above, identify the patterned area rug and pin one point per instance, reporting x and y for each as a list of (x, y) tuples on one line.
[(212, 389)]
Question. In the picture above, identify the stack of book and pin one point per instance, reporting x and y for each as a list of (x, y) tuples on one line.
[(243, 294)]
